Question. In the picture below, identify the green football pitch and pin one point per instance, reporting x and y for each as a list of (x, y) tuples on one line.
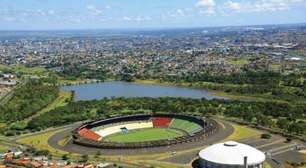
[(141, 135)]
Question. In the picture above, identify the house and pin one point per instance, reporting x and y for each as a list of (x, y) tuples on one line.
[(17, 153), (9, 76), (36, 164)]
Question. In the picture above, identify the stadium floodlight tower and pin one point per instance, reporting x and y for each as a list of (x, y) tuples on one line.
[(231, 155)]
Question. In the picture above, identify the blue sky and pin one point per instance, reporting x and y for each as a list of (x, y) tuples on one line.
[(105, 14)]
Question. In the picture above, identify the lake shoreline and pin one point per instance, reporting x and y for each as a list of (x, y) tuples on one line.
[(90, 91), (214, 93)]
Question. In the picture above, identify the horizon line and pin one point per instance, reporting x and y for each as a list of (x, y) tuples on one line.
[(148, 28)]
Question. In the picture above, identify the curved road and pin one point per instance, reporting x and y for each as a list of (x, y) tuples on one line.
[(225, 130)]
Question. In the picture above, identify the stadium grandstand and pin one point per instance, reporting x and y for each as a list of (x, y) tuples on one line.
[(103, 132), (89, 134), (143, 131), (188, 126), (161, 122)]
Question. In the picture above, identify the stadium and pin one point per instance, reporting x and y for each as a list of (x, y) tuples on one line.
[(143, 131)]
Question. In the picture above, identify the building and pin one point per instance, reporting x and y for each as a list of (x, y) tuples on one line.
[(231, 155)]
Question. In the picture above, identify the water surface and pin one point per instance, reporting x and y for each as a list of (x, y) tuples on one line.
[(125, 89)]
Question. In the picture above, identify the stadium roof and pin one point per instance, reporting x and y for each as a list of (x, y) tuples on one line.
[(232, 153)]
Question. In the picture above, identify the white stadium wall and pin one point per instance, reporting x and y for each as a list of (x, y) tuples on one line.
[(130, 126)]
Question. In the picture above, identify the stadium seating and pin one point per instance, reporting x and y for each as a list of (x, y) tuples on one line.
[(161, 122), (185, 125), (129, 126), (89, 134)]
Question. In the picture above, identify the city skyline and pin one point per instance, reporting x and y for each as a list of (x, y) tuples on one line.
[(117, 14)]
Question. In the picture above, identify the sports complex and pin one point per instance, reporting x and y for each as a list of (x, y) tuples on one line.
[(143, 131), (170, 139)]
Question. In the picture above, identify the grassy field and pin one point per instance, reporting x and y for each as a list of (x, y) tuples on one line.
[(5, 146), (149, 134), (276, 67), (63, 81), (266, 165), (239, 61), (249, 97), (242, 132), (22, 69), (40, 141)]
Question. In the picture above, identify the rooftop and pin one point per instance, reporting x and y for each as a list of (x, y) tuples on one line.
[(232, 153)]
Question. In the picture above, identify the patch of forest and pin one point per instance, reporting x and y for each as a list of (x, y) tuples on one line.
[(27, 99), (283, 116), (266, 84)]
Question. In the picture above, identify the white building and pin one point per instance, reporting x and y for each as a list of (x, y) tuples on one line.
[(231, 155)]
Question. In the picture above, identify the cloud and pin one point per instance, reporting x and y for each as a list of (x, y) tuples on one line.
[(40, 12), (210, 7), (180, 12), (262, 5), (143, 18), (89, 14), (44, 15), (136, 18), (90, 7), (269, 5), (51, 12), (108, 7), (233, 5), (177, 14), (206, 3), (126, 18), (93, 10)]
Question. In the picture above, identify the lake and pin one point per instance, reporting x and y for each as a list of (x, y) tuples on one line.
[(125, 89)]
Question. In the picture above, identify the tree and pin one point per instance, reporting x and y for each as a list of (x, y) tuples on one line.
[(84, 158), (283, 123), (65, 157), (296, 128), (42, 152), (266, 136)]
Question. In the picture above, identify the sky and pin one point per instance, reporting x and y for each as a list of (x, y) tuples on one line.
[(108, 14)]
